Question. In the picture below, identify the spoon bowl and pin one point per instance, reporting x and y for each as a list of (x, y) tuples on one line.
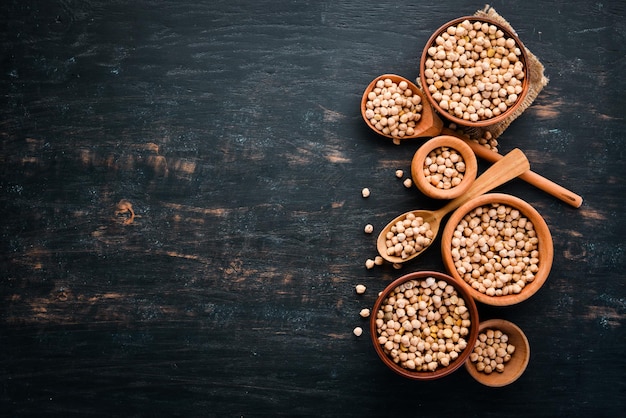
[(428, 125), (510, 166)]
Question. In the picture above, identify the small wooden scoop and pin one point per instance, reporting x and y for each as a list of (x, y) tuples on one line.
[(431, 125), (428, 125), (510, 166)]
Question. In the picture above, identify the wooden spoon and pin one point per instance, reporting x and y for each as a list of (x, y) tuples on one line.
[(508, 167), (428, 125)]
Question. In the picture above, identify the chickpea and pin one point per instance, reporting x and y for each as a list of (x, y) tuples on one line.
[(393, 109), (427, 341), (403, 241), (444, 168), (358, 331), (365, 192), (360, 289), (503, 262), (369, 228), (481, 57), (498, 352)]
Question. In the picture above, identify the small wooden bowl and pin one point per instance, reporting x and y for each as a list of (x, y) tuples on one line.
[(450, 116), (515, 367), (470, 338), (545, 247), (417, 167), (428, 125)]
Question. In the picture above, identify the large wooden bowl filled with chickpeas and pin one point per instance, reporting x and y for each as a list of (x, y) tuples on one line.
[(499, 248), (474, 71), (424, 325)]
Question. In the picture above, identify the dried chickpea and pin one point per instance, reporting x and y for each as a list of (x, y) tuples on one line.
[(407, 183), (360, 289), (365, 192), (369, 263), (491, 351), (393, 109), (495, 250), (357, 331), (480, 61), (408, 236), (364, 313), (399, 174), (416, 334), (369, 228), (444, 168)]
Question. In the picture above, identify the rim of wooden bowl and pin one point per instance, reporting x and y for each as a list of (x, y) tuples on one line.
[(428, 125), (417, 165), (515, 367), (471, 338), (546, 248), (486, 122)]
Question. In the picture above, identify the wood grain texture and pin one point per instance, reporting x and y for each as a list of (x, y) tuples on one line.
[(233, 129)]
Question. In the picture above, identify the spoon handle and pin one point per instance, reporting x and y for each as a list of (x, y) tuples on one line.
[(530, 176), (507, 168)]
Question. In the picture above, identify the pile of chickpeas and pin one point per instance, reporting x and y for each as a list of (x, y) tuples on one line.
[(444, 168), (491, 351), (422, 324), (408, 236), (474, 71), (393, 109), (495, 250)]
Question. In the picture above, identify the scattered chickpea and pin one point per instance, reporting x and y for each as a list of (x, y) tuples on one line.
[(369, 228), (365, 192), (378, 260), (407, 183), (393, 109), (364, 313), (358, 331), (474, 71), (369, 263), (419, 331), (495, 250), (360, 289), (408, 236), (399, 174), (491, 351)]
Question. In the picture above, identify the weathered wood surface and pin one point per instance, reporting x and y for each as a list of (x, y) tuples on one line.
[(233, 130)]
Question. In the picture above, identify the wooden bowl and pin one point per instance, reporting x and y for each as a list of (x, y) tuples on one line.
[(470, 338), (449, 114), (420, 179), (428, 125), (515, 367), (544, 247)]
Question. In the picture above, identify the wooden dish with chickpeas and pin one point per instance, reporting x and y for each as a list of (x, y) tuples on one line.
[(424, 325), (474, 72), (499, 247)]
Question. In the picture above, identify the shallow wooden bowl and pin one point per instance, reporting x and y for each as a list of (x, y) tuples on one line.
[(470, 338), (461, 147), (545, 247), (515, 367), (449, 115), (428, 125)]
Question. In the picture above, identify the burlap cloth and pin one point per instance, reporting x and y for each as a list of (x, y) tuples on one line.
[(537, 81)]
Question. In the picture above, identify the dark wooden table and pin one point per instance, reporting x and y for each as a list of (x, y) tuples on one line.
[(233, 129)]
